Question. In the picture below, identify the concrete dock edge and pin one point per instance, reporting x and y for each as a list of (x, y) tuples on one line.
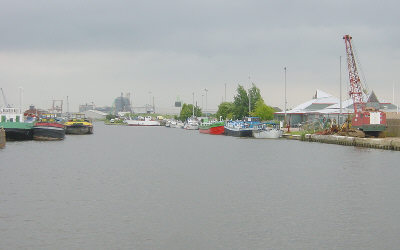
[(389, 143)]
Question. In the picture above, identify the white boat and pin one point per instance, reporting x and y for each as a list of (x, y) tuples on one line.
[(173, 124), (265, 132), (146, 121), (180, 124), (269, 133), (191, 124)]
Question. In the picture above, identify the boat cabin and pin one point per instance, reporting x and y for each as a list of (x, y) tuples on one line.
[(11, 115), (78, 117), (48, 118), (252, 119)]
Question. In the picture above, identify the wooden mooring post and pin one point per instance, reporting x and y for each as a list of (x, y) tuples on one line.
[(2, 138)]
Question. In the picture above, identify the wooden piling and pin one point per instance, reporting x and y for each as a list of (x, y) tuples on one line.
[(2, 138)]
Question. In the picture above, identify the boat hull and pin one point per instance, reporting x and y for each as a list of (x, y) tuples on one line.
[(142, 123), (219, 130), (18, 134), (17, 131), (204, 130), (48, 133), (192, 127), (238, 132), (267, 134), (78, 130)]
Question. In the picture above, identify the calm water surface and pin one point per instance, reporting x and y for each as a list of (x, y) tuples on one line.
[(161, 188)]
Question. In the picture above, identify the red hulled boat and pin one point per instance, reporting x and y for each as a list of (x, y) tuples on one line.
[(217, 128), (213, 128), (48, 129)]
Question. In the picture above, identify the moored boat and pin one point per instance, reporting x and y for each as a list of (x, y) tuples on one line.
[(268, 133), (237, 129), (79, 125), (48, 129), (146, 121), (269, 130), (217, 128), (173, 124), (204, 127), (180, 124), (12, 121), (191, 124), (241, 128)]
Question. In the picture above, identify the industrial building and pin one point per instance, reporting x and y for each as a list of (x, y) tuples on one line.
[(325, 106), (86, 107), (95, 114), (122, 104)]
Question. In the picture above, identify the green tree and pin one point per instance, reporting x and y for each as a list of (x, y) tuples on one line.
[(241, 103), (255, 96), (263, 111), (226, 110), (110, 116), (187, 111)]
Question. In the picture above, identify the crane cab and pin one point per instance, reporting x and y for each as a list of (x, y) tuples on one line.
[(370, 121)]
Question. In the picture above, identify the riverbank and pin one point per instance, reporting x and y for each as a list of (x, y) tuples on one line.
[(389, 143)]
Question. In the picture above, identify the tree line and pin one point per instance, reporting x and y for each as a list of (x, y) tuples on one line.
[(240, 108)]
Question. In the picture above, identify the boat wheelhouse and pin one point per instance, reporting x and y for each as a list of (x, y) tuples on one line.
[(12, 120)]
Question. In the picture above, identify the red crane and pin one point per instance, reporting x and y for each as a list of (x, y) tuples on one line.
[(368, 119)]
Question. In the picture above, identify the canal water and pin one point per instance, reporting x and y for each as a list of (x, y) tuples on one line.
[(163, 188)]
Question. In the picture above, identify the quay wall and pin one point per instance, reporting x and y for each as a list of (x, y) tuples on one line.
[(393, 127), (2, 138), (380, 143)]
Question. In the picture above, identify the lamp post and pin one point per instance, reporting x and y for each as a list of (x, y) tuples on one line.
[(149, 105), (225, 92), (206, 90), (340, 88), (285, 94), (193, 104), (249, 96), (202, 97), (21, 98)]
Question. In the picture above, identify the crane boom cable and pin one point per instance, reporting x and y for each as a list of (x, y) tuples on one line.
[(4, 98), (364, 85), (355, 83)]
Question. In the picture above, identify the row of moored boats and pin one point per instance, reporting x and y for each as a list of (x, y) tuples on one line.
[(249, 127), (44, 127)]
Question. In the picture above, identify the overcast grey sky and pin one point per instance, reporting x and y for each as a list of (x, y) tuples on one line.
[(92, 51)]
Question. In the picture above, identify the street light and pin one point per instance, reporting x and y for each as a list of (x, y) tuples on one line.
[(285, 94), (202, 97), (206, 90), (148, 108), (249, 97), (193, 105)]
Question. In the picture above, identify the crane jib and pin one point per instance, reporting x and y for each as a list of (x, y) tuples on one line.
[(366, 119)]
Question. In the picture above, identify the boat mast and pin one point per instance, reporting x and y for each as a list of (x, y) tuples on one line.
[(20, 98), (193, 104), (67, 107)]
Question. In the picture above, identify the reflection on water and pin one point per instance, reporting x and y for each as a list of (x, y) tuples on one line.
[(160, 188)]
